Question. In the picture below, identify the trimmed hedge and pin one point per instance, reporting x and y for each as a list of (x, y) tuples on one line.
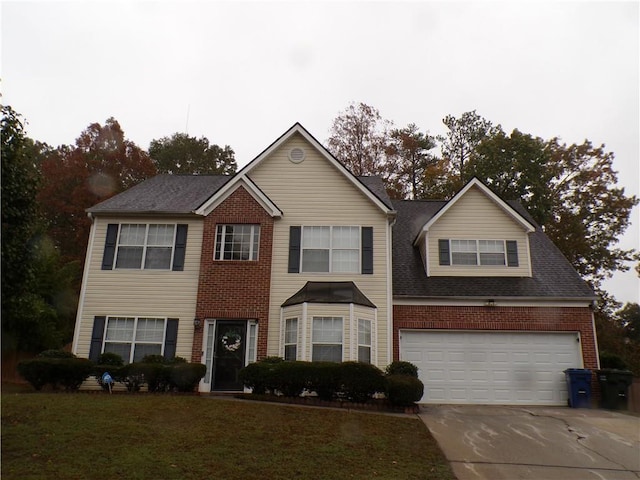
[(403, 390), (401, 368), (68, 372), (360, 381), (59, 368)]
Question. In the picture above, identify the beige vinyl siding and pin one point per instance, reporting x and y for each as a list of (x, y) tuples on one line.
[(476, 217), (314, 192), (152, 293)]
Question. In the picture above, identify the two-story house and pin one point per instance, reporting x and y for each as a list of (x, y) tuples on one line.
[(296, 257)]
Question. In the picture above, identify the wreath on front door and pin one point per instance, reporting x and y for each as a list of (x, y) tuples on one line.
[(231, 341)]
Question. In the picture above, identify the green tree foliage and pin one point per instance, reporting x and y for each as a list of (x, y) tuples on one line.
[(411, 150), (37, 299), (617, 331), (182, 154), (629, 317), (459, 144), (570, 190), (101, 164), (359, 138)]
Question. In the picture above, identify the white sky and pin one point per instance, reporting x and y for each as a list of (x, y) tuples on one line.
[(241, 73)]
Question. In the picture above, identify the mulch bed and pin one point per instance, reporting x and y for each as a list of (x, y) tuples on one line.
[(373, 405)]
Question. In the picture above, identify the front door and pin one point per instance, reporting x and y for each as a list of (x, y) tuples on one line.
[(229, 354)]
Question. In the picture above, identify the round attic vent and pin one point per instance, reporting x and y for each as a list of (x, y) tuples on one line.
[(296, 155)]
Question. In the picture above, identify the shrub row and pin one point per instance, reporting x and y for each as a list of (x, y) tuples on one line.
[(352, 381), (57, 368)]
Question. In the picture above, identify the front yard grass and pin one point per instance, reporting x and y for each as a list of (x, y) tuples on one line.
[(101, 436)]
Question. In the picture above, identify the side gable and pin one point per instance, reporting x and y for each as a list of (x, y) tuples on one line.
[(242, 181)]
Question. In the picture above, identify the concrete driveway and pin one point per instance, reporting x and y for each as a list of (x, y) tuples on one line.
[(486, 442)]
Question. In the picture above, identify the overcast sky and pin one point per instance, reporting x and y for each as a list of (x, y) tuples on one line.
[(241, 73)]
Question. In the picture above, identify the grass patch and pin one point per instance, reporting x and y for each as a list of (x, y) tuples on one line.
[(78, 436)]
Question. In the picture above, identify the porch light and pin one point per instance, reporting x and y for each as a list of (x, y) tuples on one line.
[(197, 322), (490, 303)]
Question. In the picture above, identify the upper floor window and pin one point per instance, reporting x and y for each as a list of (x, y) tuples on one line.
[(331, 249), (237, 242), (478, 252), (145, 246)]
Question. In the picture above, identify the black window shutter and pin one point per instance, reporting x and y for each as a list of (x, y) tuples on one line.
[(443, 249), (95, 350), (181, 246), (171, 338), (294, 249), (367, 250), (110, 246), (512, 253)]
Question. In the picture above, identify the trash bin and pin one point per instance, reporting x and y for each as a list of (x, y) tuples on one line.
[(579, 387), (614, 385)]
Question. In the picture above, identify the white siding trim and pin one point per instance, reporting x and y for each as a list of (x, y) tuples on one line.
[(83, 289), (306, 355), (595, 340), (230, 187), (389, 297), (353, 325)]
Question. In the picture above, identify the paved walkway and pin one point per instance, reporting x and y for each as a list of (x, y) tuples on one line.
[(493, 443)]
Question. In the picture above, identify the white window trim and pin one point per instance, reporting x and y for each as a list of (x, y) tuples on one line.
[(222, 243), (145, 245), (477, 252), (341, 343), (369, 345), (133, 341), (284, 337), (251, 350), (331, 248)]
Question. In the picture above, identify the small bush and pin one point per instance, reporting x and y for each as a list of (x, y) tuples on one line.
[(359, 381), (185, 377), (611, 360), (156, 375), (69, 372), (110, 358), (324, 379), (401, 368), (289, 378), (56, 354), (131, 375), (36, 371), (403, 390), (255, 377)]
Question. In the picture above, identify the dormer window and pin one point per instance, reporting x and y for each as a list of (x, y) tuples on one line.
[(478, 252)]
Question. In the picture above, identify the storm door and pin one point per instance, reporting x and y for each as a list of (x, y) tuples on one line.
[(229, 354)]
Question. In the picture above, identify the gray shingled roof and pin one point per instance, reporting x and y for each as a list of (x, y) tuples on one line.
[(553, 275), (329, 292), (185, 193), (164, 194)]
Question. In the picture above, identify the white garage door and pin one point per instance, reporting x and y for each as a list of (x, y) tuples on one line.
[(492, 367)]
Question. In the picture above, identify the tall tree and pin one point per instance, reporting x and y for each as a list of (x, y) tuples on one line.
[(101, 164), (411, 149), (570, 190), (463, 136), (30, 319), (359, 138), (182, 154)]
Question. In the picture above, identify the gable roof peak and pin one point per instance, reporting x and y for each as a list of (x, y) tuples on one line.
[(475, 182)]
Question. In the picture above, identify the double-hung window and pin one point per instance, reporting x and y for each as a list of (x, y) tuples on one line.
[(290, 338), (364, 340), (133, 338), (326, 339), (237, 242), (145, 246), (478, 252), (331, 249)]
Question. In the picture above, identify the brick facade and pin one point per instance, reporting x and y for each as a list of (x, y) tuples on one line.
[(235, 289)]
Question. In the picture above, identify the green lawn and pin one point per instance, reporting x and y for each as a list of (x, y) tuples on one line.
[(101, 436)]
